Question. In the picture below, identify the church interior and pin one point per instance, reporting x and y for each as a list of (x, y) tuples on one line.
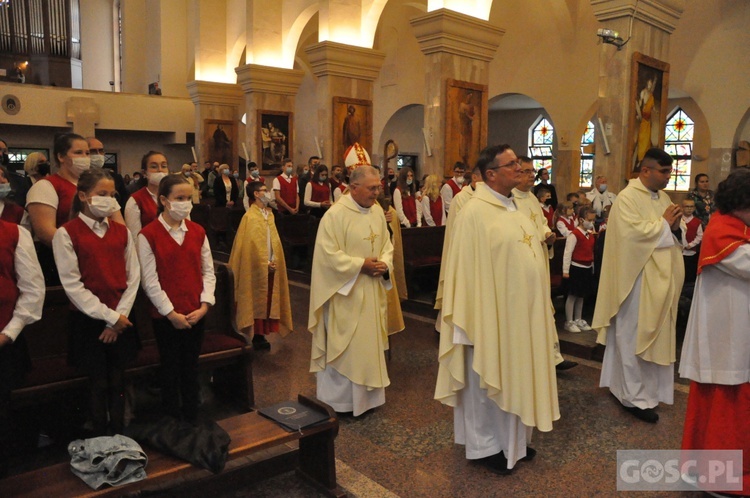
[(557, 81)]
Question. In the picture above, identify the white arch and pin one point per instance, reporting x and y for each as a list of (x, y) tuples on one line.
[(474, 8), (292, 36)]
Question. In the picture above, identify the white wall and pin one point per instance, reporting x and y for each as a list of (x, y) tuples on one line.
[(97, 44)]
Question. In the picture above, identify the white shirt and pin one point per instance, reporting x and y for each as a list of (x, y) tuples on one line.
[(150, 278), (687, 248), (427, 212), (30, 283), (600, 200), (288, 178), (337, 192), (308, 195), (446, 192), (133, 214), (43, 192), (399, 205), (70, 274), (570, 246), (563, 229)]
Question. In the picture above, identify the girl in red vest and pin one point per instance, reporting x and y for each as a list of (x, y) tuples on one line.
[(543, 195), (318, 192), (405, 200), (578, 268), (99, 271), (178, 278), (565, 219), (140, 210), (9, 210), (433, 208)]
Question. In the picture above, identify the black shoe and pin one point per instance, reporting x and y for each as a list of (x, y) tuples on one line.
[(647, 415), (530, 454), (565, 365), (496, 463), (260, 343)]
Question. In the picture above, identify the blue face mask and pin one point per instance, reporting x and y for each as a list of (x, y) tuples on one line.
[(4, 190), (409, 181), (236, 174), (255, 173)]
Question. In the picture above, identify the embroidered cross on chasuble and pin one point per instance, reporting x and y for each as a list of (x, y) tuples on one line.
[(372, 238)]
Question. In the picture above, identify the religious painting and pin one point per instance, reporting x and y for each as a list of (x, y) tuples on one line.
[(352, 123), (647, 119), (220, 141), (274, 138), (465, 123)]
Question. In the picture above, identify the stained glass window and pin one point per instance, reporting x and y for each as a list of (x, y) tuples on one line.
[(679, 144), (586, 176), (541, 137)]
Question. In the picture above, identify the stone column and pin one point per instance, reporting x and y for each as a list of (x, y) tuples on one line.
[(266, 89), (83, 114), (652, 23), (342, 71), (215, 101), (456, 46), (567, 170)]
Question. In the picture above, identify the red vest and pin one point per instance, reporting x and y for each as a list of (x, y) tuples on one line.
[(436, 210), (583, 254), (692, 229), (319, 192), (66, 191), (101, 260), (454, 186), (570, 224), (146, 204), (8, 285), (288, 191), (549, 213), (12, 213), (409, 205), (178, 267)]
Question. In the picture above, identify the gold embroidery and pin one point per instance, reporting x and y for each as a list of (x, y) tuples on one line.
[(527, 238), (372, 238)]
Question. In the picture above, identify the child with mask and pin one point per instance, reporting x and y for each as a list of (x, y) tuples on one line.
[(286, 190), (179, 280), (578, 268), (318, 195), (140, 210), (99, 271)]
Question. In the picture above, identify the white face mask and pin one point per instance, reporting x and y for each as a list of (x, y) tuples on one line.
[(4, 190), (97, 160), (155, 178), (409, 181), (588, 225), (265, 198), (179, 210), (460, 180), (81, 164), (103, 206), (288, 171)]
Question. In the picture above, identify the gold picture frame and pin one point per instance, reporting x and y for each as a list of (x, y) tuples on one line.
[(275, 130), (352, 122)]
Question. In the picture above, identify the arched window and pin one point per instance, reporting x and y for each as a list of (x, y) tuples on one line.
[(586, 177), (541, 137), (679, 144)]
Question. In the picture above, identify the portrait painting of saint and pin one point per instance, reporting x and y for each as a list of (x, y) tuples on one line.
[(465, 123), (352, 123), (274, 138), (220, 141)]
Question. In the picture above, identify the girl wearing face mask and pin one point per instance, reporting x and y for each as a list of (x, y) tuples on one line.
[(225, 188), (578, 268), (178, 278), (100, 274), (141, 208), (253, 175), (9, 210), (405, 200), (565, 219), (318, 192)]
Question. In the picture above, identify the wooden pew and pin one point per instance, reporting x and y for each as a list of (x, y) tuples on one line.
[(250, 433), (423, 250), (223, 348)]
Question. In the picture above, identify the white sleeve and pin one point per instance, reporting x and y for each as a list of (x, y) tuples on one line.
[(150, 278), (562, 228), (209, 278), (277, 185), (133, 271), (667, 238), (570, 245), (446, 192), (400, 208), (308, 196), (30, 283), (427, 213), (245, 203), (337, 193), (737, 264), (42, 192), (698, 237), (70, 278), (418, 204), (133, 217)]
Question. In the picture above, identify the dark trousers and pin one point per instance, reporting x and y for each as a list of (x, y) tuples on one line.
[(691, 268), (14, 363), (179, 351)]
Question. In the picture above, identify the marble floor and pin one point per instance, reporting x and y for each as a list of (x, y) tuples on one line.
[(405, 448)]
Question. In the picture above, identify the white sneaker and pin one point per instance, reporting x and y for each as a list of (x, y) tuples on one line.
[(583, 325), (572, 327)]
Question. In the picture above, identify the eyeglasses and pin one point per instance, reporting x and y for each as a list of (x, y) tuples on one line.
[(511, 164)]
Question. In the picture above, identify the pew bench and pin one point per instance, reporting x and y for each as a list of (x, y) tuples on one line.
[(223, 350), (250, 435), (423, 250)]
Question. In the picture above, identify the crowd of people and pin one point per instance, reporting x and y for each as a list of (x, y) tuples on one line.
[(103, 237)]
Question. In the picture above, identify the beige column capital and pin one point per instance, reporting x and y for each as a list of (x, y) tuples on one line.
[(211, 93), (254, 78), (661, 14), (337, 59), (83, 113), (450, 32)]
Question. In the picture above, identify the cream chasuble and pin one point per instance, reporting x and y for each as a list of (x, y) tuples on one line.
[(634, 243), (249, 263), (495, 292), (356, 333)]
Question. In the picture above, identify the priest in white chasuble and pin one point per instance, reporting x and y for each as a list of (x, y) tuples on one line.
[(641, 280), (351, 272), (496, 362)]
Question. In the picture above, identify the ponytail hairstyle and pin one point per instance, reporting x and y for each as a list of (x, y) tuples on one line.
[(86, 182), (165, 188)]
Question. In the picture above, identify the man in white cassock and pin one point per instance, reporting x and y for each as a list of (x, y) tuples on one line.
[(496, 363), (351, 270), (641, 279)]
